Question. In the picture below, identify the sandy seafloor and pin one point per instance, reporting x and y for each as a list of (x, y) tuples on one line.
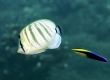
[(84, 24)]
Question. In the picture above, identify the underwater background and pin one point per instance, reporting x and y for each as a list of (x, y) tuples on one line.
[(84, 24)]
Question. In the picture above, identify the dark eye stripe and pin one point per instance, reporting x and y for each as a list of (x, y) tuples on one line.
[(21, 46), (19, 36)]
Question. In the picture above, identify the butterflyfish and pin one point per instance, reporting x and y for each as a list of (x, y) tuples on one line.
[(89, 54), (39, 36)]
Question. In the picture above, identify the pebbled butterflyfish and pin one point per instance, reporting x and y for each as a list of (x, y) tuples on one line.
[(38, 36), (89, 54)]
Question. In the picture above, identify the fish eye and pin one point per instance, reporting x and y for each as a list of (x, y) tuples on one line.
[(19, 36)]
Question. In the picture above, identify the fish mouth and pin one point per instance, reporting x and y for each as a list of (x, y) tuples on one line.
[(20, 51)]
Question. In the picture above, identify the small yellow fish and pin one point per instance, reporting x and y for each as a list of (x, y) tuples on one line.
[(89, 54)]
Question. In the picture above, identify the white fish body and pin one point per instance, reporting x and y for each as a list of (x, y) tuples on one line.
[(38, 36)]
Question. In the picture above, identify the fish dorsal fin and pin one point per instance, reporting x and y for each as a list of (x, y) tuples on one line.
[(55, 42)]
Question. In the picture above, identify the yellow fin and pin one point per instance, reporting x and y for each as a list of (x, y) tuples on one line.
[(81, 52)]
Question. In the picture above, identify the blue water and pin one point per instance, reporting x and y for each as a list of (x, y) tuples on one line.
[(84, 24)]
